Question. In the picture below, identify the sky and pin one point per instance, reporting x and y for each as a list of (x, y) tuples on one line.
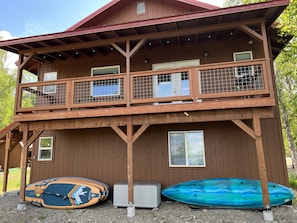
[(21, 18)]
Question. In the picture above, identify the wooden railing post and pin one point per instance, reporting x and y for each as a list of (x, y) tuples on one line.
[(69, 94), (194, 84)]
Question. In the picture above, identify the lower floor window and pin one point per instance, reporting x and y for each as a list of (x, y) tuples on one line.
[(45, 149), (186, 149)]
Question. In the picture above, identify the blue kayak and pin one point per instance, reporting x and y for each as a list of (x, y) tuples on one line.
[(227, 193)]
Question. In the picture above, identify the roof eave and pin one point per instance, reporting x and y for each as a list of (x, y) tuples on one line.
[(8, 44)]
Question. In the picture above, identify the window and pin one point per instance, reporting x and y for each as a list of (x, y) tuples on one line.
[(108, 87), (140, 7), (186, 149), (45, 149), (243, 71), (50, 76)]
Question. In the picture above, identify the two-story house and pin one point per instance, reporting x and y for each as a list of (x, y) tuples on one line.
[(154, 90)]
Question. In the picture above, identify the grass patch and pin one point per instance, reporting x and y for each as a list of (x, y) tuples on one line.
[(293, 185), (14, 179), (293, 181)]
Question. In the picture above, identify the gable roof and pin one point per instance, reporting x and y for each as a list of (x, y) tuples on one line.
[(97, 15)]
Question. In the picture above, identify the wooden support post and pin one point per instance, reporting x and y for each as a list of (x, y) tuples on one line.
[(256, 134), (128, 54), (24, 161), (130, 161), (130, 138), (8, 141), (19, 80), (261, 159)]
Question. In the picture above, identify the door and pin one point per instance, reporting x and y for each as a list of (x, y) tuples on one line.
[(172, 84)]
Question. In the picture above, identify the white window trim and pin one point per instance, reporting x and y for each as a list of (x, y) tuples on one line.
[(236, 70), (141, 8), (186, 165), (101, 68), (45, 148), (55, 74)]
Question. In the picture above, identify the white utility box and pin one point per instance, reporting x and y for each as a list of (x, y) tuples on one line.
[(146, 194)]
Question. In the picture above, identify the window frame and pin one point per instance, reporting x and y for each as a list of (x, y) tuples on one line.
[(46, 78), (186, 149), (238, 73), (141, 8), (50, 148), (117, 80)]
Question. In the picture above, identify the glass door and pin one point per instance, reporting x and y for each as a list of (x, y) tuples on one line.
[(172, 84)]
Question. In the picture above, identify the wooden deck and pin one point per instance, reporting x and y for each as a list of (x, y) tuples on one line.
[(230, 85)]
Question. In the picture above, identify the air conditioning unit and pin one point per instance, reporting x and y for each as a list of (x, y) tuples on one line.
[(146, 194)]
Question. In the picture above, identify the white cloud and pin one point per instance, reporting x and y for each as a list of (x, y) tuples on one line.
[(5, 35), (11, 57)]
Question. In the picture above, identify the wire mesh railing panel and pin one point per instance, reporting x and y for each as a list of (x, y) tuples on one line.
[(142, 87), (231, 79), (99, 91), (43, 96)]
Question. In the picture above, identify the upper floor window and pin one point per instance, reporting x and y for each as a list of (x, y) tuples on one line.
[(140, 7), (50, 76), (242, 71), (45, 149), (105, 87), (186, 149)]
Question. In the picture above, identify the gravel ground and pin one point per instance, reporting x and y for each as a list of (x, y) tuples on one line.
[(166, 213)]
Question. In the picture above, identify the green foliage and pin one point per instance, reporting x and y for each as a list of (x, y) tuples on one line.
[(293, 181), (7, 91), (287, 75), (288, 19)]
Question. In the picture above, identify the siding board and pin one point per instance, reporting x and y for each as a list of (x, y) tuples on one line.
[(102, 154), (219, 51)]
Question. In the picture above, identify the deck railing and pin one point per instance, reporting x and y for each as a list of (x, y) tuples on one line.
[(184, 85)]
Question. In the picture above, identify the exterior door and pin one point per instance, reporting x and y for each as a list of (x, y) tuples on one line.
[(172, 84)]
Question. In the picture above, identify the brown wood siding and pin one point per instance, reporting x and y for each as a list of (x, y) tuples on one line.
[(14, 156), (126, 12), (85, 153), (219, 51), (101, 154)]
